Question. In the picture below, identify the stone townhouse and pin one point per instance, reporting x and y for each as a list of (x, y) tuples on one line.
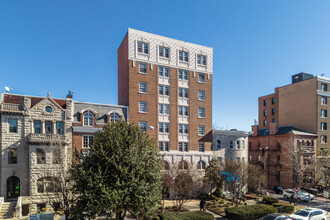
[(35, 140)]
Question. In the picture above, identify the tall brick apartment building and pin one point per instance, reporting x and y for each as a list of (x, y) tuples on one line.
[(167, 85), (302, 104)]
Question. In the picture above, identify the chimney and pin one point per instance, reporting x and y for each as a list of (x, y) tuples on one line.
[(233, 129), (273, 128), (69, 95), (255, 130)]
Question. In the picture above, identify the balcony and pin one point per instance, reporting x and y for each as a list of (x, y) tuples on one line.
[(47, 138), (11, 107)]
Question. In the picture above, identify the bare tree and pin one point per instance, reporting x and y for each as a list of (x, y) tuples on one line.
[(299, 161), (323, 171), (236, 179), (168, 183), (257, 177)]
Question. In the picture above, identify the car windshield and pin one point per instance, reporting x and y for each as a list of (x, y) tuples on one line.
[(302, 213)]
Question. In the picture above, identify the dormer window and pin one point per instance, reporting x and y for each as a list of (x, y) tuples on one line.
[(88, 119), (114, 117), (143, 47)]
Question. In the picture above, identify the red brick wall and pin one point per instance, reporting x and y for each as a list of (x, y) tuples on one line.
[(123, 83)]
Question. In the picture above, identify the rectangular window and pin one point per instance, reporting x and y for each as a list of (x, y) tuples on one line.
[(37, 127), (142, 87), (12, 125), (183, 74), (265, 102), (238, 144), (231, 144), (238, 159), (265, 112), (201, 112), (183, 93), (273, 111), (183, 129), (41, 156), (183, 56), (250, 158), (163, 71), (164, 90), (273, 101), (164, 109), (278, 176), (324, 87), (143, 107), (59, 127), (143, 68), (164, 127), (243, 144), (183, 110), (183, 146), (219, 144), (143, 47), (56, 156), (164, 146), (278, 159), (201, 77), (201, 130), (324, 113), (164, 52), (201, 147), (49, 127), (324, 100), (259, 158), (88, 141), (265, 123), (324, 126), (12, 156), (143, 126), (323, 139), (201, 59), (250, 145), (201, 95)]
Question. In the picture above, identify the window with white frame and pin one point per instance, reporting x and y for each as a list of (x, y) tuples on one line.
[(323, 139), (324, 113), (219, 144), (201, 59), (143, 47), (164, 90), (183, 74), (183, 110), (183, 146), (201, 95), (114, 117), (163, 71), (164, 146), (183, 56), (201, 77), (143, 107), (164, 109), (201, 112), (238, 144), (142, 87), (88, 118), (142, 68), (163, 127), (201, 130), (324, 126), (201, 147), (183, 129), (88, 141), (201, 165), (143, 126), (324, 100), (231, 144), (183, 93), (164, 52)]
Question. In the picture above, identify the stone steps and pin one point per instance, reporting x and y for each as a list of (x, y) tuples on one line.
[(7, 209)]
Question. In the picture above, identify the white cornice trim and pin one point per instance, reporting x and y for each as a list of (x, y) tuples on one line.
[(85, 129), (322, 93)]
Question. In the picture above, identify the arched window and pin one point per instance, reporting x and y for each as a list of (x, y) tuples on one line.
[(114, 117), (183, 165), (201, 165), (88, 119), (41, 156), (166, 165), (48, 185)]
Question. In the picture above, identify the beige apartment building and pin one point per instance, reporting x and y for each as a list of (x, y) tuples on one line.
[(167, 85), (302, 104)]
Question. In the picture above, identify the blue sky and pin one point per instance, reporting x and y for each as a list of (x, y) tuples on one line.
[(56, 46)]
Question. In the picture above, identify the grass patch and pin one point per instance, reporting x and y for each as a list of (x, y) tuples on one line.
[(195, 215)]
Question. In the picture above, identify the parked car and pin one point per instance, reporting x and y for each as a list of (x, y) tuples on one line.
[(304, 196), (278, 189), (287, 193), (309, 214), (277, 216)]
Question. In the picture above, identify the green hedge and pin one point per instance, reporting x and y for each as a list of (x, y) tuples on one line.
[(249, 212), (269, 200), (195, 215), (284, 207)]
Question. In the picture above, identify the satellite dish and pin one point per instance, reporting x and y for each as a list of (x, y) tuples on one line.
[(7, 89)]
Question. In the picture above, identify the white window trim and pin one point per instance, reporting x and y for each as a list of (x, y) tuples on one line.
[(137, 47), (89, 136), (183, 79), (201, 64), (183, 51), (204, 78), (146, 68), (203, 112), (146, 88), (169, 52), (146, 108), (198, 96), (203, 130)]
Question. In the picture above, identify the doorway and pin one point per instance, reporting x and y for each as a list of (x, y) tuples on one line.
[(13, 187)]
